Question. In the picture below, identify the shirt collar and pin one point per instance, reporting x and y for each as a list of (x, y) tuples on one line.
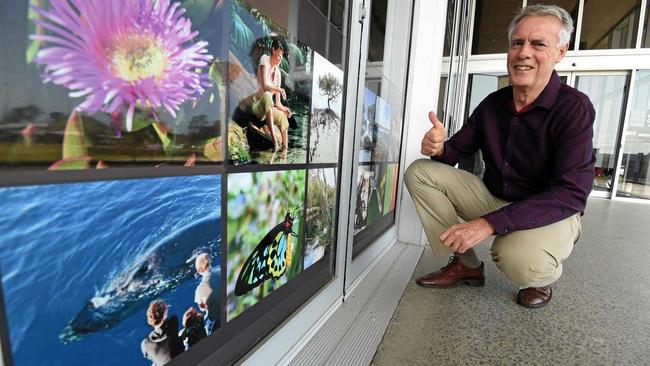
[(545, 99), (549, 95)]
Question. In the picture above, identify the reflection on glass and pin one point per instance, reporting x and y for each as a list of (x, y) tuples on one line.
[(377, 30), (491, 22), (442, 98), (605, 26), (368, 138), (571, 6), (481, 86), (270, 90), (110, 88), (607, 94), (449, 28), (376, 194), (380, 128), (646, 29), (336, 14), (634, 175), (314, 28), (322, 5)]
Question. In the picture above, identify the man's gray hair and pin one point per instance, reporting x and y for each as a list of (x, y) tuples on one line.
[(545, 10)]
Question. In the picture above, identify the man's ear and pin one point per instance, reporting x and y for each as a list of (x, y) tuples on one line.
[(563, 51)]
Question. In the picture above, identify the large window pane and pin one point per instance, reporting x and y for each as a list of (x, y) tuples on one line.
[(571, 6), (605, 26), (480, 86), (607, 94), (491, 25), (380, 128), (635, 168)]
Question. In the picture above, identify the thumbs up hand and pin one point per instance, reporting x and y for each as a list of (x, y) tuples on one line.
[(433, 141)]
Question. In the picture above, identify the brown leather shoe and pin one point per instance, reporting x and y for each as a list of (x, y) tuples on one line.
[(534, 297), (452, 275)]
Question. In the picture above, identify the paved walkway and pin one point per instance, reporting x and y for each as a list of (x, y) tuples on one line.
[(599, 314)]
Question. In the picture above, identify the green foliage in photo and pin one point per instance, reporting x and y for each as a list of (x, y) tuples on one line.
[(257, 202), (319, 225)]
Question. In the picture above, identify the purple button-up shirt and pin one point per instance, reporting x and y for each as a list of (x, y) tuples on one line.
[(540, 159)]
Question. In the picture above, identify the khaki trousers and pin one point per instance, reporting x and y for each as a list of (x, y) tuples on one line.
[(442, 194)]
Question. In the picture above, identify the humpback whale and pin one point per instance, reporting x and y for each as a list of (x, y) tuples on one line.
[(160, 269)]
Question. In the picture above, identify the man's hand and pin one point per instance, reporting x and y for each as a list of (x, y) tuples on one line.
[(462, 237), (433, 142)]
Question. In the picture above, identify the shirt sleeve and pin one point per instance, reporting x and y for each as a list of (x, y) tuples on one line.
[(571, 181), (462, 144)]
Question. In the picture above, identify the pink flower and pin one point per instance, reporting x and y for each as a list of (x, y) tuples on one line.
[(122, 54)]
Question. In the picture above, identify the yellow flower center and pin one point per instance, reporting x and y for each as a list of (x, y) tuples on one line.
[(138, 57)]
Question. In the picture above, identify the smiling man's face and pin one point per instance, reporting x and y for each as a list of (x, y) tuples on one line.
[(533, 53)]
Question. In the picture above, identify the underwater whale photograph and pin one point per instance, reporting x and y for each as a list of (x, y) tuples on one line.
[(82, 264)]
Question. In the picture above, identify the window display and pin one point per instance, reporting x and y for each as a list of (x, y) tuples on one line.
[(142, 88)]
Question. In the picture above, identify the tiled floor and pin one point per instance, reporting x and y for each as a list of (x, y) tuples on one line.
[(599, 314)]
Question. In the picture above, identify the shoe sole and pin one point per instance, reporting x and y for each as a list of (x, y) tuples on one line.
[(535, 306), (531, 306), (468, 282)]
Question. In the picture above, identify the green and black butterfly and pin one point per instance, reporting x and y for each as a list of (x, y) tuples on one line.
[(269, 259)]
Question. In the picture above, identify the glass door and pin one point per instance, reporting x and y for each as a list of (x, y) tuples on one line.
[(634, 174), (384, 49), (608, 93)]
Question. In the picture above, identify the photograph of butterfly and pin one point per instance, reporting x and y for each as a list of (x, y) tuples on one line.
[(265, 231), (270, 258)]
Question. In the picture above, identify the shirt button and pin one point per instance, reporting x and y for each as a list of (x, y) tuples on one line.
[(506, 163), (506, 184)]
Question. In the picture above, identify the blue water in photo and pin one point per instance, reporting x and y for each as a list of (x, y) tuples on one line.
[(81, 262)]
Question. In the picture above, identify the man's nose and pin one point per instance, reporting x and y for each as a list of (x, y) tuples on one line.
[(526, 50)]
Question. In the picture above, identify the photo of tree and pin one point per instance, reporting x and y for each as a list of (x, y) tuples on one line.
[(326, 109), (265, 231), (109, 83), (269, 79), (321, 213)]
